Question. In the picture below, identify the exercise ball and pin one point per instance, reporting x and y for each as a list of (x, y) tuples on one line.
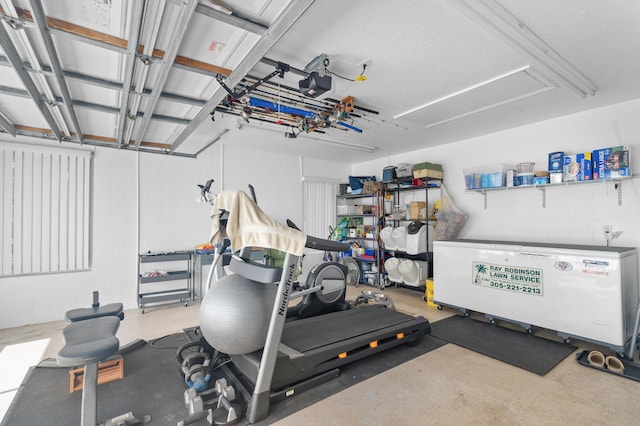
[(235, 314)]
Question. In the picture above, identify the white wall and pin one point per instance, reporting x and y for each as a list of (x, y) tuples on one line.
[(573, 214), (40, 298), (159, 210), (170, 219)]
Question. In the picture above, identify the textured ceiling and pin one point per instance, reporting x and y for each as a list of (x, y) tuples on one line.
[(145, 75)]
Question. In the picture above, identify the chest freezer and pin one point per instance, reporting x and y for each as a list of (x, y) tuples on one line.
[(585, 292)]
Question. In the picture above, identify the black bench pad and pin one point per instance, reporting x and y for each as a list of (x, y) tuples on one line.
[(89, 341), (82, 314)]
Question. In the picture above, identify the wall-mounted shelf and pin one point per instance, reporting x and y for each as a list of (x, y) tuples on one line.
[(543, 188)]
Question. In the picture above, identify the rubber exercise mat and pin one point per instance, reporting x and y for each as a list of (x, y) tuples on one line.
[(152, 385), (520, 349)]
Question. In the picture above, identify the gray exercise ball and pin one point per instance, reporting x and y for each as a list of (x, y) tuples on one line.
[(235, 314)]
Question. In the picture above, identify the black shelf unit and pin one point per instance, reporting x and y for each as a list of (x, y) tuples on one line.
[(397, 188)]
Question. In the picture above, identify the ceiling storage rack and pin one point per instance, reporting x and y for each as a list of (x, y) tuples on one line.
[(617, 184)]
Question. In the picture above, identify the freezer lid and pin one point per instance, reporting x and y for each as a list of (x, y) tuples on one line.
[(523, 246)]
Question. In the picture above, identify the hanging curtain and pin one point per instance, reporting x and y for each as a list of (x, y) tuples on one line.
[(319, 205)]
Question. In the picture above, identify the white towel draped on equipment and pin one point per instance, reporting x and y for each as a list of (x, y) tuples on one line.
[(249, 226)]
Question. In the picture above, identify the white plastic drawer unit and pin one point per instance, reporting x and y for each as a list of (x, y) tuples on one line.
[(586, 292)]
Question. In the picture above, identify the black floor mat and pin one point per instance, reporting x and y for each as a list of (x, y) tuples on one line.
[(352, 374), (523, 350), (152, 385)]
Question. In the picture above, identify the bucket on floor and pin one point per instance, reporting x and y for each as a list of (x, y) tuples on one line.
[(428, 293)]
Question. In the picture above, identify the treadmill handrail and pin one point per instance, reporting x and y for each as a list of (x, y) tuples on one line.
[(325, 245)]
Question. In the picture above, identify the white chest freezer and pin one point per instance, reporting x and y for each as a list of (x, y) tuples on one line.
[(586, 292)]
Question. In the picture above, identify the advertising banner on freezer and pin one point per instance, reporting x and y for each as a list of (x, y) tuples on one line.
[(525, 280)]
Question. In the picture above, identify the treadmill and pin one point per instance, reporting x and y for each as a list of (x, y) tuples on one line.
[(303, 353)]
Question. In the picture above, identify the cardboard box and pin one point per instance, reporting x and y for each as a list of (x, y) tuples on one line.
[(427, 170), (577, 167), (611, 163), (556, 162), (364, 209), (414, 210)]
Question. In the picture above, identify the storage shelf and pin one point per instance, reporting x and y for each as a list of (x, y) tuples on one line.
[(399, 192), (416, 188), (617, 182), (170, 276), (149, 288), (165, 257), (350, 196), (360, 259)]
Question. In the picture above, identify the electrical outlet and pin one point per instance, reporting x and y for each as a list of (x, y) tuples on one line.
[(607, 230)]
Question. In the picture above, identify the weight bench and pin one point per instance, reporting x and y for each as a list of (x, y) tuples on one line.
[(86, 343), (95, 311)]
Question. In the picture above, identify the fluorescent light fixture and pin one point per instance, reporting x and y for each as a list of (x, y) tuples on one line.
[(495, 18), (460, 92), (511, 86), (282, 129)]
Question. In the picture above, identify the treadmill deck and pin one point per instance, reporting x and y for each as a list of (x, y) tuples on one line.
[(316, 332)]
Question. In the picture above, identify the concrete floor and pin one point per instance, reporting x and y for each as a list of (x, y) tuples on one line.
[(448, 386)]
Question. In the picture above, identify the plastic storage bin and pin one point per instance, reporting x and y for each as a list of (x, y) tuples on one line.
[(414, 272), (391, 266), (494, 176), (387, 238), (399, 235)]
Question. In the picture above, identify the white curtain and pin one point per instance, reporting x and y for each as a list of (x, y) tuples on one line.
[(319, 206), (44, 210)]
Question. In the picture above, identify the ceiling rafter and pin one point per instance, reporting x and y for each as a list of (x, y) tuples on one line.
[(232, 19), (104, 141), (108, 84), (135, 25), (179, 31), (108, 41), (16, 62), (10, 91), (6, 124), (43, 31)]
